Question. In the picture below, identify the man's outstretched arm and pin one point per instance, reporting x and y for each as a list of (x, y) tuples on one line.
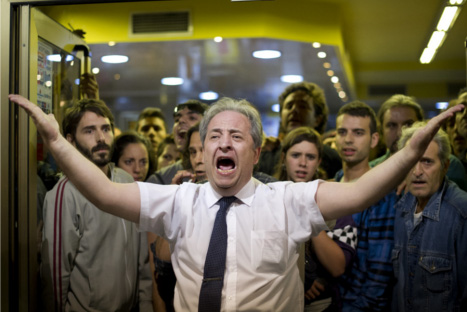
[(122, 200), (340, 199)]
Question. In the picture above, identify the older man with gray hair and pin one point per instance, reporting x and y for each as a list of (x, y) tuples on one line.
[(430, 243)]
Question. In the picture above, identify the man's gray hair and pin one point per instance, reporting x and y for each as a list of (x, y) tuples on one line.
[(240, 106), (441, 138)]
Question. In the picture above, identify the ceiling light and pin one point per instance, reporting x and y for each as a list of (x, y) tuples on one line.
[(334, 79), (436, 39), (172, 81), (77, 81), (447, 17), (267, 54), (327, 65), (117, 76), (58, 58), (291, 78), (208, 96), (427, 55), (218, 39), (114, 59), (95, 70), (454, 2), (442, 105), (321, 54), (112, 43), (276, 108), (316, 45), (342, 94), (330, 73)]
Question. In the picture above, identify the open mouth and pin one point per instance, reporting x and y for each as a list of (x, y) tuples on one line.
[(418, 183), (181, 134), (225, 165), (301, 174)]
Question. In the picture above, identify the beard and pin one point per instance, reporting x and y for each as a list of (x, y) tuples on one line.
[(101, 159)]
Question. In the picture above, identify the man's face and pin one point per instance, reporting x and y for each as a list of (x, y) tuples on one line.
[(297, 111), (195, 149), (94, 138), (354, 139), (183, 120), (426, 176), (393, 121), (154, 129), (229, 153), (461, 117)]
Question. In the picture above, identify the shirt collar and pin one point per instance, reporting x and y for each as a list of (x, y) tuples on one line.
[(245, 195)]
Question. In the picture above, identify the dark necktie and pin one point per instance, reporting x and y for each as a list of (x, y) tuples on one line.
[(214, 267)]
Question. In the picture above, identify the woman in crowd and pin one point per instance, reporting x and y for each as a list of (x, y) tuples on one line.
[(326, 256), (133, 154)]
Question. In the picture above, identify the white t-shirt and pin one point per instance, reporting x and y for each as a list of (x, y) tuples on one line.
[(265, 227)]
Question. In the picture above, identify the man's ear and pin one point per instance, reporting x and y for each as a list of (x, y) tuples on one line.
[(446, 166), (374, 140), (257, 153), (70, 139)]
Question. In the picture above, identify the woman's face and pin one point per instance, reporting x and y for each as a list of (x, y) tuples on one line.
[(168, 157), (302, 161), (135, 161)]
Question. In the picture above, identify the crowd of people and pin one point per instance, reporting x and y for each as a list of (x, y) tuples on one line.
[(310, 225)]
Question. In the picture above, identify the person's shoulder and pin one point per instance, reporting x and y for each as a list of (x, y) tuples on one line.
[(456, 197), (165, 175), (379, 160), (121, 176)]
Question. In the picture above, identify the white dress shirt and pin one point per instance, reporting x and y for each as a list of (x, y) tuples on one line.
[(265, 227)]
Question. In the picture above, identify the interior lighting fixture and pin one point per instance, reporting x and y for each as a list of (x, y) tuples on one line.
[(218, 39), (327, 65), (342, 94), (447, 18), (442, 105), (58, 58), (321, 54), (95, 70), (276, 108), (316, 45), (77, 81), (114, 59), (330, 73), (172, 81), (436, 39), (267, 54), (209, 96), (111, 43), (291, 78), (334, 79)]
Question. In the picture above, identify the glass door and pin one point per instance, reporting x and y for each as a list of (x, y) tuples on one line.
[(51, 62)]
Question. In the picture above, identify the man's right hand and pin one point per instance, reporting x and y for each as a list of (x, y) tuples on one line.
[(47, 125)]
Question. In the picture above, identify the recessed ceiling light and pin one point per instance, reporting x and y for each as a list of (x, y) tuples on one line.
[(321, 54), (58, 58), (114, 59), (208, 96), (267, 54), (112, 43), (442, 105), (218, 39), (316, 45), (327, 65), (291, 78), (95, 70), (330, 73), (172, 81), (276, 108), (334, 79)]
